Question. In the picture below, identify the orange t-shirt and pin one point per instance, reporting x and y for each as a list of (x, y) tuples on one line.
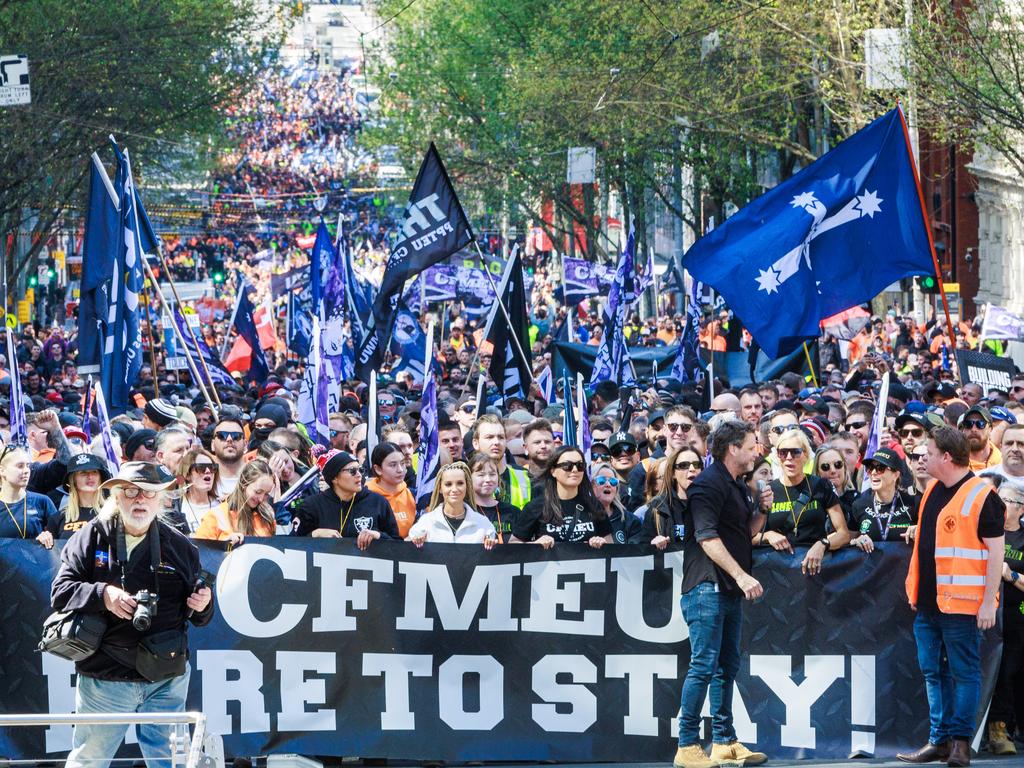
[(402, 503)]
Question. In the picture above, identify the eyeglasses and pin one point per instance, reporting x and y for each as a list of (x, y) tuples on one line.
[(133, 491), (569, 466), (826, 467), (226, 435), (778, 430), (911, 432), (978, 424), (854, 425), (623, 450), (688, 465), (206, 469), (790, 453), (354, 471), (612, 481), (1014, 502), (678, 426)]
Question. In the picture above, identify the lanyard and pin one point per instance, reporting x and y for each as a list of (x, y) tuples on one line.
[(23, 529)]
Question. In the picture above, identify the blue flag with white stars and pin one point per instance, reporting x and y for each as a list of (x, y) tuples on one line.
[(834, 235)]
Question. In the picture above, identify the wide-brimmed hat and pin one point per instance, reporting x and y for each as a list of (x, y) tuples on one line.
[(143, 474)]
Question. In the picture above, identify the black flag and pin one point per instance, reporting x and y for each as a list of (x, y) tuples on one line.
[(508, 370), (434, 228)]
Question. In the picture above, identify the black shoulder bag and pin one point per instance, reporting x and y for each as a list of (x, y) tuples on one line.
[(72, 635)]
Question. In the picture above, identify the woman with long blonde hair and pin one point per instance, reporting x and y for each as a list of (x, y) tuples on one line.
[(85, 474), (247, 511), (453, 517)]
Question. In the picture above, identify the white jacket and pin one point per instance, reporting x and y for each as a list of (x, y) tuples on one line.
[(474, 529)]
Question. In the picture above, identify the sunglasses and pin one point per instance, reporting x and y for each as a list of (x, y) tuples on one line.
[(856, 424), (919, 456), (787, 453), (612, 481), (206, 469), (623, 450), (133, 491), (468, 408), (678, 427), (689, 465), (911, 432), (569, 466), (873, 467), (784, 428), (227, 435), (978, 424), (557, 435), (354, 471), (336, 432), (826, 467), (385, 403), (599, 457)]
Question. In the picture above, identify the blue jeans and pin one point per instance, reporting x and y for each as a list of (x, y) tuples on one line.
[(714, 620), (949, 654), (94, 745)]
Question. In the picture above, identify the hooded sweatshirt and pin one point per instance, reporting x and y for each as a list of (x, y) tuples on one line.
[(402, 503)]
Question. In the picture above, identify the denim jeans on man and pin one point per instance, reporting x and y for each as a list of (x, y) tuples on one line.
[(949, 653), (714, 620), (94, 745)]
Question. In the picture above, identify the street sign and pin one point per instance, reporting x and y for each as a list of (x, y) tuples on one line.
[(14, 88)]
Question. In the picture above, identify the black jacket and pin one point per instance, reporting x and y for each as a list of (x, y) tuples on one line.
[(89, 563), (369, 511), (664, 519)]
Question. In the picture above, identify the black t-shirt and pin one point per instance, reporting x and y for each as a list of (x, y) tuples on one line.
[(503, 516), (62, 529), (579, 523), (1013, 598), (990, 526), (887, 522), (800, 512), (720, 507)]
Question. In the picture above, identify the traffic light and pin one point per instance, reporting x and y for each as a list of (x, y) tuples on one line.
[(218, 277), (33, 281), (51, 273), (928, 283)]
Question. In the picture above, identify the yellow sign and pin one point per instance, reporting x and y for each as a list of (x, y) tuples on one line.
[(24, 311), (12, 322), (58, 258), (30, 295)]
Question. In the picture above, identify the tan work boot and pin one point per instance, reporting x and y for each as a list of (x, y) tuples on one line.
[(735, 753), (692, 756), (999, 741)]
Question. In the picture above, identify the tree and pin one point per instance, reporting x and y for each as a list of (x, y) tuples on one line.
[(744, 93), (150, 72)]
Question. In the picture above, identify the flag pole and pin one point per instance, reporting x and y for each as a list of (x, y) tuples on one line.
[(214, 404), (501, 305), (146, 302), (810, 365)]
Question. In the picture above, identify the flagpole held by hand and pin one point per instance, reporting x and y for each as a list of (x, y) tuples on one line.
[(504, 312)]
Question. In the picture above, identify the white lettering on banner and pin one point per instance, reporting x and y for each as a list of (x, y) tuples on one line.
[(396, 669), (430, 237), (862, 703), (988, 378), (640, 672), (451, 694), (233, 596), (297, 691), (548, 596), (583, 702), (819, 674), (416, 221), (495, 580), (61, 696), (335, 581), (629, 602), (219, 689)]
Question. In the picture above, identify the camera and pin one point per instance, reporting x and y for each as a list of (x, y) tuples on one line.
[(145, 609)]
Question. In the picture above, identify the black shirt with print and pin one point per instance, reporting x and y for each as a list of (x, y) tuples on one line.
[(887, 522), (62, 529), (503, 515), (579, 522), (800, 512), (1013, 598)]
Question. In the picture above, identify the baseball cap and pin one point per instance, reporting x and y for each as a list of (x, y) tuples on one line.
[(887, 458), (621, 438)]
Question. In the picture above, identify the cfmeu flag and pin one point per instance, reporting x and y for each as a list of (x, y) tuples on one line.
[(435, 227), (832, 236)]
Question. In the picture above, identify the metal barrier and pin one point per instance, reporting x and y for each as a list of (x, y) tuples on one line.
[(194, 757)]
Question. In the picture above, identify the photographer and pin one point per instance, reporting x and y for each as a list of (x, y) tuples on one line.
[(142, 663)]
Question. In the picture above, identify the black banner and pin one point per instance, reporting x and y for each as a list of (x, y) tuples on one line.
[(454, 653), (990, 371)]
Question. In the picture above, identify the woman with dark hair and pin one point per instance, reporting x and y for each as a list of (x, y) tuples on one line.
[(199, 471), (247, 511), (883, 512), (388, 464), (566, 510), (664, 522)]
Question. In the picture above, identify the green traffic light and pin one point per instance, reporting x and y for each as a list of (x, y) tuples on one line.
[(218, 277), (33, 281), (928, 282), (50, 273)]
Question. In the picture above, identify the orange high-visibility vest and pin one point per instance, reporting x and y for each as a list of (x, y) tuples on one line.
[(961, 558)]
